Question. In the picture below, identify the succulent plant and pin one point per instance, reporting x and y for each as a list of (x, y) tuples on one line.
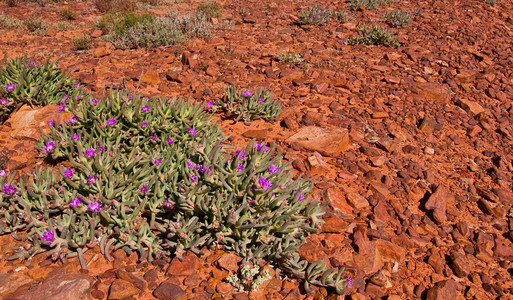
[(315, 15), (24, 82), (246, 105), (154, 176)]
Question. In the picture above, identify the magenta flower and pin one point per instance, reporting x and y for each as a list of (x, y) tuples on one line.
[(32, 65), (9, 189), (343, 41), (75, 137), (94, 102), (273, 169), (90, 152), (157, 161), (61, 107), (248, 94), (191, 131), (261, 146), (91, 179), (101, 149), (77, 85), (2, 173), (50, 145), (301, 197), (260, 100), (4, 102), (145, 108), (111, 122), (48, 236), (94, 206), (131, 97), (240, 168), (241, 154), (193, 178), (10, 87), (72, 119), (51, 123), (169, 141), (349, 281), (190, 164), (264, 182), (209, 104), (144, 124), (204, 169), (144, 189), (153, 137), (75, 202), (169, 203), (69, 173)]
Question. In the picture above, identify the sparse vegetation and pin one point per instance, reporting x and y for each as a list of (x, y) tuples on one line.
[(210, 10), (67, 14), (343, 16), (63, 26), (35, 25), (115, 5), (7, 22), (374, 35), (82, 42), (490, 2), (368, 4), (397, 18), (12, 3), (315, 15), (290, 58)]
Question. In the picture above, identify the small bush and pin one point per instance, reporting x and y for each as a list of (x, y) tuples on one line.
[(210, 10), (368, 4), (115, 5), (397, 18), (82, 42), (67, 14), (290, 58), (119, 23), (315, 15), (63, 26), (375, 35), (36, 25), (12, 3), (343, 16), (490, 2), (7, 22), (248, 106)]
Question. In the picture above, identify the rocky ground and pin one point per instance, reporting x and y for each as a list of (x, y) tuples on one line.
[(411, 148)]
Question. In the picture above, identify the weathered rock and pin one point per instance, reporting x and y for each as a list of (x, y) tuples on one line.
[(120, 289), (68, 286), (470, 106), (168, 291), (442, 290), (327, 141), (229, 262), (10, 282), (188, 266), (26, 122), (357, 201), (437, 202), (436, 92), (459, 265)]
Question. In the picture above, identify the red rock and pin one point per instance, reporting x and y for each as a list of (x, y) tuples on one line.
[(470, 106), (437, 202), (101, 52), (10, 282), (63, 286), (168, 291), (436, 92), (51, 31), (327, 141), (259, 134), (224, 287), (443, 290), (96, 33), (26, 122), (459, 264), (188, 266), (229, 262), (120, 289), (336, 199), (357, 201)]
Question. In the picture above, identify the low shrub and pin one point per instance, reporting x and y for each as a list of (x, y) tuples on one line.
[(7, 22), (210, 10), (315, 15), (115, 5), (63, 26), (67, 14), (397, 18), (36, 25), (290, 58), (374, 35), (82, 42), (368, 4)]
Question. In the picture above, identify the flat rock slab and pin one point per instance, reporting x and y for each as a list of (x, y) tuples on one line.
[(327, 141)]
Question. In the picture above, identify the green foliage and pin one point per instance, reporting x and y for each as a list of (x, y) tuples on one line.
[(63, 26), (490, 2), (67, 14), (249, 278), (210, 10), (368, 4), (35, 25), (247, 105), (397, 18), (37, 85), (119, 23), (374, 35), (290, 58), (315, 15), (7, 22), (82, 42), (343, 16)]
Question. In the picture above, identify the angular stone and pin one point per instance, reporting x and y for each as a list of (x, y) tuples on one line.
[(188, 266), (442, 290), (459, 265), (10, 282), (357, 201), (120, 289), (168, 291), (471, 107), (229, 262), (68, 286), (101, 52), (327, 141), (437, 92), (437, 202)]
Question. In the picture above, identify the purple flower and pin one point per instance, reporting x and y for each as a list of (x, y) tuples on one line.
[(349, 281), (261, 146), (248, 94), (153, 137), (273, 169), (260, 100), (75, 202), (2, 173), (241, 154), (204, 169), (157, 161), (77, 97), (169, 141), (144, 189), (169, 203), (65, 97), (343, 41), (101, 149), (131, 97), (50, 145), (69, 173), (190, 164), (91, 179), (209, 104), (145, 108), (10, 87), (4, 102), (77, 85), (193, 178), (144, 124), (396, 22), (32, 65), (264, 182), (111, 122), (48, 236), (51, 123), (61, 107), (90, 152), (191, 131), (75, 137), (301, 197), (94, 206), (9, 189), (72, 119), (240, 168), (94, 102)]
